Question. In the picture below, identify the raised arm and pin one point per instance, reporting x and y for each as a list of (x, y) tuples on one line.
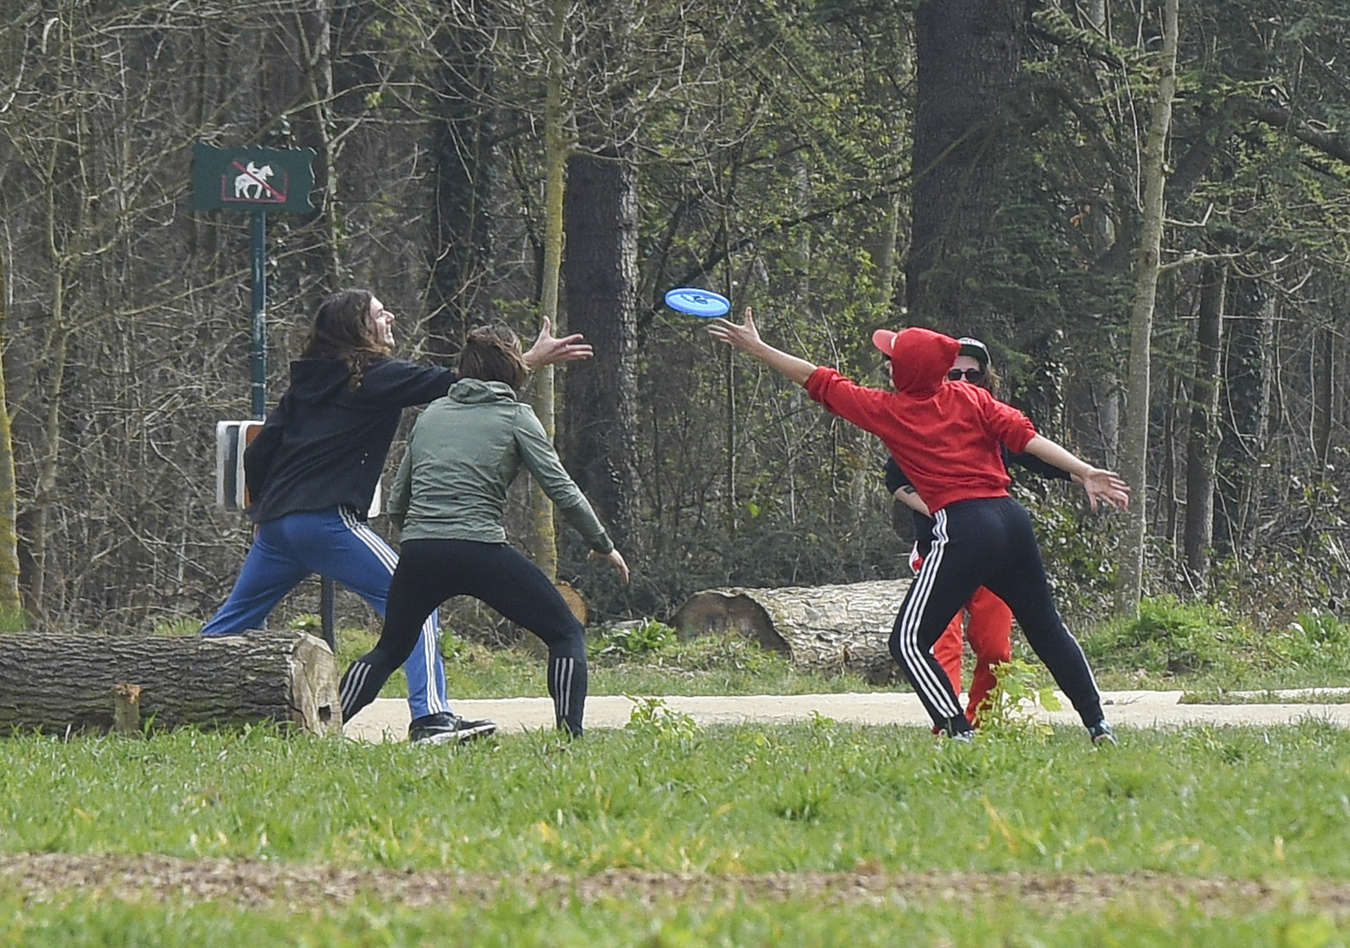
[(548, 349), (746, 338), (1099, 484)]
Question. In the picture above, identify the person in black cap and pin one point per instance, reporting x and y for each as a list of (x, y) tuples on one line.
[(948, 436)]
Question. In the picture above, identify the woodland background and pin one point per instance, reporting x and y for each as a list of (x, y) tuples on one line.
[(978, 166)]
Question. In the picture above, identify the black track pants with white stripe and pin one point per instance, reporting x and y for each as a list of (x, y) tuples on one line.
[(432, 571), (986, 542)]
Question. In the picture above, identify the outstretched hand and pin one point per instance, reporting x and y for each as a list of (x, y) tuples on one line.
[(743, 336), (1106, 486), (615, 559), (548, 348)]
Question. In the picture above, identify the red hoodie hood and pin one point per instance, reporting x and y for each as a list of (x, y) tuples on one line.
[(919, 358)]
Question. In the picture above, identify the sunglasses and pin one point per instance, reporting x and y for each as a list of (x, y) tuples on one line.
[(970, 375)]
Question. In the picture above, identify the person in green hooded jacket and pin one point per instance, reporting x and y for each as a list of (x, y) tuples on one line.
[(449, 497)]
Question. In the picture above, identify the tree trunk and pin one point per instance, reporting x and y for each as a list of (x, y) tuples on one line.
[(1245, 447), (313, 28), (817, 627), (601, 275), (1202, 446), (968, 53), (541, 543), (1323, 396), (9, 489), (66, 683), (463, 137), (1134, 449)]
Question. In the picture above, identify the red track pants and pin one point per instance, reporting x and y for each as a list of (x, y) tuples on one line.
[(990, 635)]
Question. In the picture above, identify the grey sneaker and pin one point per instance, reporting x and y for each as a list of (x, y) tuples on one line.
[(446, 728), (1101, 733)]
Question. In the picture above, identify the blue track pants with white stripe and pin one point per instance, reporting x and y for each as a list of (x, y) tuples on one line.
[(337, 544), (985, 542)]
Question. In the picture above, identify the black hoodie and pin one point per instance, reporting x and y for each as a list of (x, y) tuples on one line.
[(324, 444)]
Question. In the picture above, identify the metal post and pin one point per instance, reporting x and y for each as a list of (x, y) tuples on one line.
[(259, 389), (326, 598)]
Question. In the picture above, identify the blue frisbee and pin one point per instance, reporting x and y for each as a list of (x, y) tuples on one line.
[(696, 302)]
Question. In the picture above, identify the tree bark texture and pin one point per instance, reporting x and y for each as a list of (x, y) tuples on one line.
[(463, 146), (1202, 447), (817, 627), (1323, 371), (1134, 450), (9, 487), (541, 542), (601, 408), (1245, 449), (968, 54), (67, 683)]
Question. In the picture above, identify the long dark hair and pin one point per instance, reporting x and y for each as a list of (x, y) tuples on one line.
[(492, 353), (343, 330)]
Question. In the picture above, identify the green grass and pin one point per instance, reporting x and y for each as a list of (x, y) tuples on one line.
[(518, 920), (1172, 646), (818, 795), (703, 666), (1199, 647), (1263, 804)]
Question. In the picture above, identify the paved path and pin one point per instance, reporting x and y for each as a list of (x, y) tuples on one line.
[(387, 718)]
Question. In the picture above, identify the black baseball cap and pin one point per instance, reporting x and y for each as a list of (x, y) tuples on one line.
[(970, 346)]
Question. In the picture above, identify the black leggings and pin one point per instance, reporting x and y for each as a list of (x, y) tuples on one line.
[(432, 571), (986, 542)]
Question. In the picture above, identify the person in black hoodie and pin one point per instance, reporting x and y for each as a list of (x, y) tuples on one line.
[(312, 471)]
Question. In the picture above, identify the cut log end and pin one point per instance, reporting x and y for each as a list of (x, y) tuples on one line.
[(127, 709), (124, 681), (314, 687), (728, 612), (826, 628)]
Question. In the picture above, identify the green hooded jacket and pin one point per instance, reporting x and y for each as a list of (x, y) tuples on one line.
[(465, 450)]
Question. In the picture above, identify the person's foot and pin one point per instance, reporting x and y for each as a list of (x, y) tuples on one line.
[(958, 729), (1101, 733), (446, 728)]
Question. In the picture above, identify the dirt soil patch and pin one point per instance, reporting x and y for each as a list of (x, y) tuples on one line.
[(51, 876)]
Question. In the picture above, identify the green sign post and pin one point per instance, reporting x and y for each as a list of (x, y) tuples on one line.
[(257, 180)]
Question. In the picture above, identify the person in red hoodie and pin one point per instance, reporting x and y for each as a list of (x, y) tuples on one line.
[(948, 437), (988, 625)]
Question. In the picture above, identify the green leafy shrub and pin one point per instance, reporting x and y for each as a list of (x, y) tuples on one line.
[(626, 639), (1021, 689), (1169, 637), (652, 718)]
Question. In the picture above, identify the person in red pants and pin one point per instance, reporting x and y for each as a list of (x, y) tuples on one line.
[(985, 620)]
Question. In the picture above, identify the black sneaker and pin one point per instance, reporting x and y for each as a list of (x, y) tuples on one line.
[(1101, 733), (446, 728)]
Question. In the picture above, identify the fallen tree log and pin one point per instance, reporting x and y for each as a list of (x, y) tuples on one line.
[(66, 683), (817, 627)]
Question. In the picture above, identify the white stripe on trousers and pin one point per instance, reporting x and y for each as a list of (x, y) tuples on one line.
[(924, 676), (563, 669), (356, 680), (361, 530)]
